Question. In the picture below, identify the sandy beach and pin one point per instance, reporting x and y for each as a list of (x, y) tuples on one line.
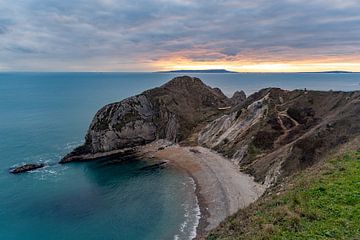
[(221, 188)]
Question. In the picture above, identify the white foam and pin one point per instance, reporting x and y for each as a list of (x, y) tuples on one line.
[(189, 214), (72, 145), (198, 214)]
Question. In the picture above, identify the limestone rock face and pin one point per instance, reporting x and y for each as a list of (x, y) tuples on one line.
[(124, 124), (168, 112), (275, 132)]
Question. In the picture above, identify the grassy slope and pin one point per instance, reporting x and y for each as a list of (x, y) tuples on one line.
[(322, 203)]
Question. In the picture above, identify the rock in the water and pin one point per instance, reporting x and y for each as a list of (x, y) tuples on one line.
[(154, 166), (27, 167)]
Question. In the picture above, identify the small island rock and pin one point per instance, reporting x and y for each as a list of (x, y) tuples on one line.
[(27, 167)]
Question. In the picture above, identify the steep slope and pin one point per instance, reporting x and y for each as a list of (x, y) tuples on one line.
[(319, 203), (167, 112), (277, 132)]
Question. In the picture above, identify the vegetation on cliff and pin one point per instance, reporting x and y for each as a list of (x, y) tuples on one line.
[(320, 203)]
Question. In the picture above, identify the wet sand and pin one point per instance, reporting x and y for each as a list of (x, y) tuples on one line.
[(221, 188)]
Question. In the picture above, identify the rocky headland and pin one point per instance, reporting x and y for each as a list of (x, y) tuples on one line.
[(168, 112), (235, 148)]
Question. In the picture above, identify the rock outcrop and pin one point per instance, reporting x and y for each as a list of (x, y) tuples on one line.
[(26, 168), (167, 112), (238, 97)]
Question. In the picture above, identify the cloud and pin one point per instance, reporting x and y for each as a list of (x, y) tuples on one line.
[(3, 29), (131, 35), (20, 49), (5, 25)]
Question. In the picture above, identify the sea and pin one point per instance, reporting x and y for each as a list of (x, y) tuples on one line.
[(43, 116)]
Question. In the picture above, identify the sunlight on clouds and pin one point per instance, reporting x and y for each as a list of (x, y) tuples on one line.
[(142, 35)]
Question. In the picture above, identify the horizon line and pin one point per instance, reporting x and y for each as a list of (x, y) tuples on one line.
[(174, 71)]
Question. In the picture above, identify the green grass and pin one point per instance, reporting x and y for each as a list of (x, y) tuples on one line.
[(253, 151), (322, 203)]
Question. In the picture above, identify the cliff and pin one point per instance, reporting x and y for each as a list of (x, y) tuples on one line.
[(168, 112)]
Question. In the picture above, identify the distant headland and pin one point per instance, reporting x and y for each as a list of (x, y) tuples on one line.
[(226, 71), (199, 71), (331, 72)]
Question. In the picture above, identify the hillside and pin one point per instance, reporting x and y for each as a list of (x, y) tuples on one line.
[(321, 203), (276, 132)]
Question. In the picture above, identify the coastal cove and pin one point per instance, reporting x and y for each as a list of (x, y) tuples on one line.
[(103, 199), (221, 188)]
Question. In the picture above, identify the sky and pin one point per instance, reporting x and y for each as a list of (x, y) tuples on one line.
[(146, 35)]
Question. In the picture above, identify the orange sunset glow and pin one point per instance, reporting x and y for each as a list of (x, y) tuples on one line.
[(303, 66)]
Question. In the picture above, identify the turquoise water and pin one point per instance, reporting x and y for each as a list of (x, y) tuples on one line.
[(44, 115)]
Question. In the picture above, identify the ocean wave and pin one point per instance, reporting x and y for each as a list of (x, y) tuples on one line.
[(51, 169), (192, 217), (73, 144), (49, 172)]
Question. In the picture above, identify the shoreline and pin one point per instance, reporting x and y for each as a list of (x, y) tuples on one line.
[(220, 187), (204, 213)]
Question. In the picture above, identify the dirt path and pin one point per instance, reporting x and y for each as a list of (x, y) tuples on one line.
[(282, 125)]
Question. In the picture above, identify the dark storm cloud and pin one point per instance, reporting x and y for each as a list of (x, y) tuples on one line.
[(107, 32)]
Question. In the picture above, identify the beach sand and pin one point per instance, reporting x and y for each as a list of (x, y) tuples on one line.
[(220, 187)]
